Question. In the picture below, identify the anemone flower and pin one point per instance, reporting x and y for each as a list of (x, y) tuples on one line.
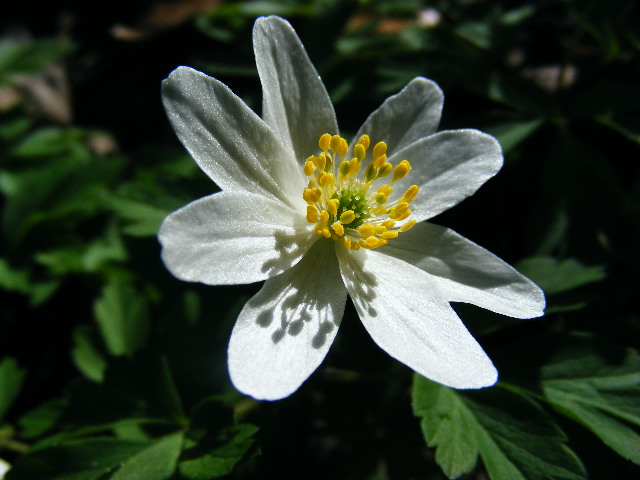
[(318, 218)]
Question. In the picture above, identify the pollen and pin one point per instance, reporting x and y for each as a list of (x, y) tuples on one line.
[(347, 201)]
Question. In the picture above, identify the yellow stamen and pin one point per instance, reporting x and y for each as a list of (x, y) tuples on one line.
[(324, 142), (338, 228), (364, 141), (347, 217), (335, 143), (410, 194), (407, 226), (332, 206), (380, 148), (385, 170), (401, 170), (342, 202), (312, 214)]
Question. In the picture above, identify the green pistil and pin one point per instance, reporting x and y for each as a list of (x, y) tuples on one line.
[(353, 199)]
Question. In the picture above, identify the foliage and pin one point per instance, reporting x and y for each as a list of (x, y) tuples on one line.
[(112, 369)]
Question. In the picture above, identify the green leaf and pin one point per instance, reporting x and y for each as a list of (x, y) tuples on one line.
[(123, 318), (213, 445), (510, 134), (555, 276), (86, 459), (598, 385), (88, 257), (11, 379), (155, 462), (86, 355), (514, 436), (30, 56), (142, 219)]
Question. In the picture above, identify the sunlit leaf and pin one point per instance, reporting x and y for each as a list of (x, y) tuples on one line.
[(598, 386), (514, 436)]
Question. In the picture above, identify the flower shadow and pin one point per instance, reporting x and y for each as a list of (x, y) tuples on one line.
[(305, 303)]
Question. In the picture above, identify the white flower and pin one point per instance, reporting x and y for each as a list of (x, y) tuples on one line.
[(309, 250)]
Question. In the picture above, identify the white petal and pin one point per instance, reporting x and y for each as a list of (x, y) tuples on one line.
[(466, 272), (448, 167), (295, 103), (406, 117), (284, 332), (232, 238), (403, 311), (229, 142)]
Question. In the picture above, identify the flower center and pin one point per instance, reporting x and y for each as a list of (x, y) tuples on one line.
[(341, 199)]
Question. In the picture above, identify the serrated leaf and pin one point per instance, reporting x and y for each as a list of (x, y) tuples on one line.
[(555, 276), (11, 379), (87, 459), (514, 436), (598, 386), (123, 318), (155, 462)]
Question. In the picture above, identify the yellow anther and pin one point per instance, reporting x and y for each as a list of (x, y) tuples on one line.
[(354, 166), (372, 242), (401, 208), (385, 170), (407, 225), (320, 161), (347, 217), (332, 206), (404, 216), (364, 141), (333, 201), (343, 147), (366, 231), (370, 172), (309, 167), (411, 193), (312, 214), (379, 160), (386, 189), (344, 168), (326, 179), (335, 143), (379, 148), (401, 170), (321, 229), (307, 195), (324, 142)]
